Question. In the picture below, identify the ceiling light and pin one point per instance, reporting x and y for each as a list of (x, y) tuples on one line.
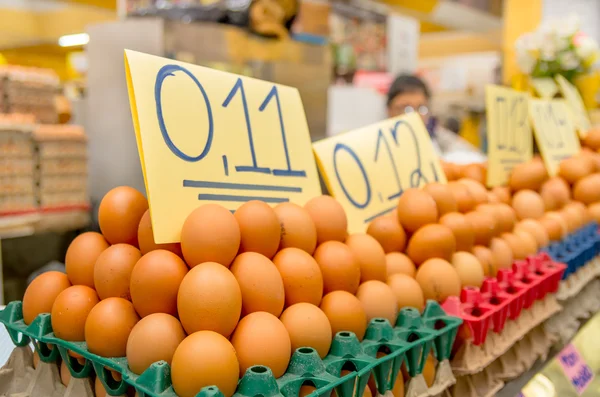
[(71, 40)]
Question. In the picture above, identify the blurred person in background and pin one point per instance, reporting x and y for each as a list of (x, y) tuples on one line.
[(409, 94)]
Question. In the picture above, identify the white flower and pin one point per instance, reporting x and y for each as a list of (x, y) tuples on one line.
[(568, 60), (567, 27), (585, 47)]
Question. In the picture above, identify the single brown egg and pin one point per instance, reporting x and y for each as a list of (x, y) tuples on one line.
[(553, 227), (146, 241), (370, 256), (462, 195), (561, 220), (527, 240), (301, 275), (587, 190), (556, 193), (307, 326), (205, 358), (431, 241), (297, 227), (112, 273), (65, 375), (530, 175), (592, 139), (501, 255), (345, 313), (477, 190), (70, 310), (41, 294), (536, 229), (388, 232), (210, 233), (399, 263), (259, 227), (443, 197), (508, 215), (484, 226), (378, 300), (209, 298), (475, 172), (573, 169), (261, 339), (108, 326), (329, 218), (595, 211), (165, 332), (528, 204), (305, 390), (592, 156), (582, 209), (438, 279), (416, 208), (155, 281), (429, 371), (100, 391), (81, 258), (407, 290), (339, 266), (461, 228), (119, 215), (468, 268), (451, 170), (519, 248), (485, 256), (503, 194), (260, 283)]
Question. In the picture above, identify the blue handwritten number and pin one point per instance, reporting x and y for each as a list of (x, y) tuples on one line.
[(163, 73), (380, 138), (287, 172), (339, 147)]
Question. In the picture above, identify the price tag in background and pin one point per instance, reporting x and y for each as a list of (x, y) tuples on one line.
[(580, 114), (367, 169), (554, 131), (573, 365), (206, 136), (510, 141)]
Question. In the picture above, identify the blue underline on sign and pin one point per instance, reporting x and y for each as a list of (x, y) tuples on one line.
[(369, 219), (227, 197), (241, 186)]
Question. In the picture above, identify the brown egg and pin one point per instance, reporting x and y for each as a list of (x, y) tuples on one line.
[(119, 215), (528, 204), (503, 194), (155, 280), (477, 190), (399, 263), (484, 226), (81, 258), (261, 339), (345, 313), (398, 390), (462, 195), (301, 275), (370, 256), (339, 266), (416, 208), (443, 197), (297, 227), (556, 193), (572, 218), (508, 216), (108, 326), (595, 211), (210, 233), (582, 209), (36, 358), (378, 300), (329, 218), (202, 359), (408, 292), (305, 390), (429, 371), (41, 294), (70, 310), (474, 172), (112, 273), (587, 190), (146, 241), (308, 326), (438, 279), (573, 169), (260, 283), (592, 139), (561, 220), (259, 227), (388, 232), (553, 227), (431, 241), (535, 228), (519, 248), (487, 258), (502, 255), (209, 298), (165, 332), (451, 170), (530, 175), (461, 229), (527, 240), (592, 157), (65, 375), (468, 268)]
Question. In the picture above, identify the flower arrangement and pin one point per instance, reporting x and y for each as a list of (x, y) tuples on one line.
[(557, 47)]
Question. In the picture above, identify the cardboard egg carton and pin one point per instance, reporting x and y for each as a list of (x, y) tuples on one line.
[(577, 281), (16, 166), (58, 183), (62, 166), (12, 204), (444, 378), (74, 199), (16, 185)]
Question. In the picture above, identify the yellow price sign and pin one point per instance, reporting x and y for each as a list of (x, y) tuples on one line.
[(206, 136), (580, 114), (368, 169), (510, 141), (554, 131)]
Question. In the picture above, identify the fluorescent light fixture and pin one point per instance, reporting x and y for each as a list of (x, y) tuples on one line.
[(71, 40)]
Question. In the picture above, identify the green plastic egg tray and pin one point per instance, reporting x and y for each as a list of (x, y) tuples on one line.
[(411, 341)]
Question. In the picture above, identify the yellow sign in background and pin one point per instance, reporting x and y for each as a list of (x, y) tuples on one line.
[(206, 136), (554, 131), (367, 169), (510, 141), (581, 117), (545, 87)]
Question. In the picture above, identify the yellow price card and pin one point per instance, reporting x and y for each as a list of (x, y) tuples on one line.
[(510, 141), (368, 169), (206, 136), (545, 87), (554, 131), (580, 113)]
